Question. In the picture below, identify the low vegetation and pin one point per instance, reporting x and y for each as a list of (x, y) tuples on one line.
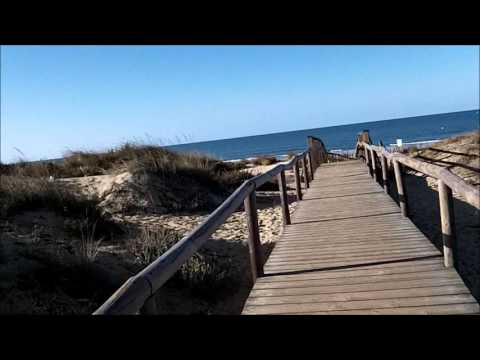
[(205, 271), (264, 160), (63, 251), (19, 193), (131, 156)]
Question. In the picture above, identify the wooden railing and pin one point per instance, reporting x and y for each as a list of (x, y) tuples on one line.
[(335, 157), (137, 293), (380, 163)]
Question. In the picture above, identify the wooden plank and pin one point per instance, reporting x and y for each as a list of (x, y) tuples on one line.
[(340, 244), (377, 269), (361, 253), (317, 257), (363, 304), (343, 261), (450, 309), (436, 273), (379, 285), (281, 280), (355, 296)]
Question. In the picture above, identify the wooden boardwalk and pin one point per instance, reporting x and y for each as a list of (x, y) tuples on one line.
[(349, 251)]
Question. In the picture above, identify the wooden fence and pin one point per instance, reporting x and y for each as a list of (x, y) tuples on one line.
[(380, 164), (137, 293)]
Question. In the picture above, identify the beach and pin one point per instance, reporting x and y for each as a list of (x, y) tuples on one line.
[(218, 279)]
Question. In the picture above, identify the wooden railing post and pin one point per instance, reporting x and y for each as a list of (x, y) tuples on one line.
[(310, 164), (367, 160), (447, 218), (254, 244), (284, 197), (150, 306), (305, 173), (374, 164), (298, 185), (402, 196), (383, 163)]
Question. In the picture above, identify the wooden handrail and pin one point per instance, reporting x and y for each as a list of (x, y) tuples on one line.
[(456, 183), (446, 180), (346, 157), (138, 291)]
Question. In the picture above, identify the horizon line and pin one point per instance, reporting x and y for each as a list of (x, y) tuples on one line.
[(323, 127)]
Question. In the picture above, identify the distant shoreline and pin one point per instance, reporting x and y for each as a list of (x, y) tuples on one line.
[(281, 157), (413, 131)]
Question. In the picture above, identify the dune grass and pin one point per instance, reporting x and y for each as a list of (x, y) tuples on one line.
[(19, 193), (264, 160), (203, 271), (133, 156), (25, 185)]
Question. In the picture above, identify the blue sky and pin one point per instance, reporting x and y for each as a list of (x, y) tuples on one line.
[(56, 98)]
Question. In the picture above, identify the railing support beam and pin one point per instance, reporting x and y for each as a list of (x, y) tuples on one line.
[(383, 163), (374, 164), (284, 198), (309, 156), (402, 195), (298, 185), (447, 218), (254, 244), (367, 160), (305, 173)]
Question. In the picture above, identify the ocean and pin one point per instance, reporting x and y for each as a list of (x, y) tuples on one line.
[(340, 138)]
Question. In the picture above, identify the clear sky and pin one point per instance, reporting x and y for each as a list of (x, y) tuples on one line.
[(56, 98)]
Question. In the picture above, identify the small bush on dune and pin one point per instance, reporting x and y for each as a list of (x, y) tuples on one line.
[(147, 245), (205, 170), (203, 271), (88, 247), (264, 160), (240, 165)]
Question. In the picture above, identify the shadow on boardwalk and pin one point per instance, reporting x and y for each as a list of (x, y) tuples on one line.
[(425, 214)]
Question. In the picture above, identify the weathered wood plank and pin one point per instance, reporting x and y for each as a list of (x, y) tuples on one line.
[(379, 285), (355, 296), (450, 309), (363, 304)]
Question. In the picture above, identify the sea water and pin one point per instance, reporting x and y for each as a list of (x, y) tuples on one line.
[(415, 129)]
